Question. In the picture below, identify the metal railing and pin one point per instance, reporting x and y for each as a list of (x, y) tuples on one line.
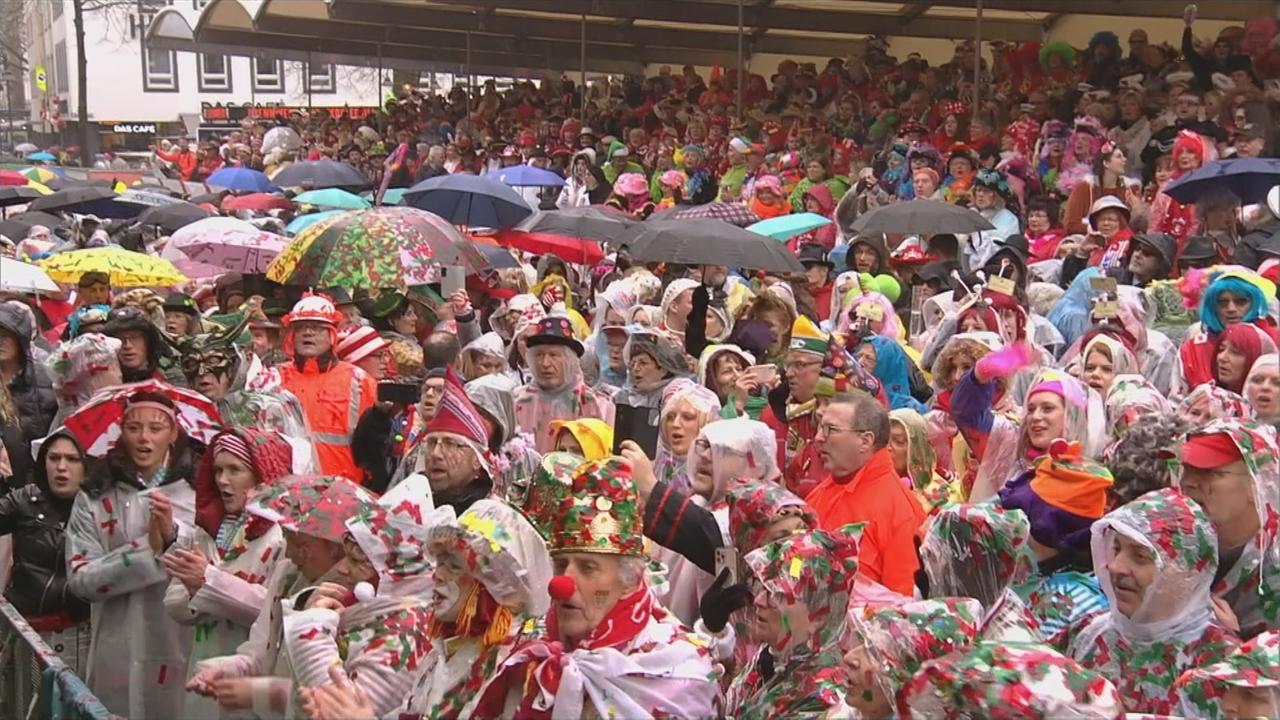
[(35, 683)]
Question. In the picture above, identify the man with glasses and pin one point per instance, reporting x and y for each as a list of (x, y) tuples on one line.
[(333, 393), (455, 454), (862, 486), (791, 412)]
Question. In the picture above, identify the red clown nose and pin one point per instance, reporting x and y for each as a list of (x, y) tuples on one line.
[(562, 587)]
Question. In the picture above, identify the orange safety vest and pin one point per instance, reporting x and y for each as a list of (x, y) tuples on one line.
[(333, 401)]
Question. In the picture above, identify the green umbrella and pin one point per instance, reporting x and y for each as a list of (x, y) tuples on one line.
[(332, 198)]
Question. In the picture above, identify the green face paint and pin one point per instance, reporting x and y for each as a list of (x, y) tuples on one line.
[(867, 697)]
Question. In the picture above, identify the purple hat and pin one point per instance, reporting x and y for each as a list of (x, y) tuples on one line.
[(1051, 526)]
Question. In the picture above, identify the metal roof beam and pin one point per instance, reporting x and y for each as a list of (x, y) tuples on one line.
[(699, 13), (1217, 10)]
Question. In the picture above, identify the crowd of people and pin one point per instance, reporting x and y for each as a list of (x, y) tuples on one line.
[(1026, 472)]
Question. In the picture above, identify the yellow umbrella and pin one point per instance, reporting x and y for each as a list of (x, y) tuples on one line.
[(39, 174), (40, 187), (125, 268)]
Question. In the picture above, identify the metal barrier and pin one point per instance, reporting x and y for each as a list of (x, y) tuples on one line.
[(35, 683)]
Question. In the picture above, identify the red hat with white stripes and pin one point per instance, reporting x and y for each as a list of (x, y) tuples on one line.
[(360, 343)]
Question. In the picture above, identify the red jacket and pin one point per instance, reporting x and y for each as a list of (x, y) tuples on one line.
[(875, 495)]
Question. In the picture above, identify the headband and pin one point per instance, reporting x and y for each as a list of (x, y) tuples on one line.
[(231, 443), (152, 405)]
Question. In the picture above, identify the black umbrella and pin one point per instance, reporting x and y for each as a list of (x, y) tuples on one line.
[(921, 217), (18, 194), (98, 201), (1249, 179), (585, 223), (17, 227), (469, 200), (320, 174), (171, 217), (708, 242)]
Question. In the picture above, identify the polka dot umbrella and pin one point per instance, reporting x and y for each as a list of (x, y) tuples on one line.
[(381, 247)]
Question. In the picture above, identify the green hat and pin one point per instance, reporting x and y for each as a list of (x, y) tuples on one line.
[(552, 482), (806, 337), (602, 512)]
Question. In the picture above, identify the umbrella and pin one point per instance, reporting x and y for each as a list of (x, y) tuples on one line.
[(525, 176), (496, 257), (1247, 178), (321, 174), (100, 201), (241, 250), (41, 175), (393, 196), (732, 213), (19, 225), (281, 138), (332, 198), (20, 277), (378, 248), (9, 177), (25, 148), (96, 425), (126, 268), (149, 198), (257, 202), (588, 223), (708, 242), (241, 179), (42, 157), (196, 270), (10, 195), (469, 200), (569, 249), (172, 217), (302, 222), (785, 227), (921, 217)]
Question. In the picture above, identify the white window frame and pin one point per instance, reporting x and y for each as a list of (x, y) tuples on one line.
[(321, 83), (213, 82), (159, 82), (264, 83)]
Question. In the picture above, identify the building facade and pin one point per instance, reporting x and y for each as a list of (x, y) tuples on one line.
[(138, 95)]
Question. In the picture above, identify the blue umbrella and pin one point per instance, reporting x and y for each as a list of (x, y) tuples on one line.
[(393, 196), (469, 200), (332, 198), (302, 222), (785, 227), (1247, 178), (526, 176), (42, 157), (497, 257), (241, 179)]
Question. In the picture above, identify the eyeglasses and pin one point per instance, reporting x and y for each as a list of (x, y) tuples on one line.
[(827, 430), (444, 443), (430, 389), (802, 364)]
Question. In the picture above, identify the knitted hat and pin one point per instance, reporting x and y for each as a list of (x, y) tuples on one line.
[(359, 344), (601, 514), (552, 482), (1061, 497), (807, 338)]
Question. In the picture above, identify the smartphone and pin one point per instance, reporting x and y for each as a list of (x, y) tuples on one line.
[(766, 375), (452, 279), (727, 559), (398, 393)]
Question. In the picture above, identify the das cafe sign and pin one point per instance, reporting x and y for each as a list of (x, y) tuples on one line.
[(125, 128), (231, 115)]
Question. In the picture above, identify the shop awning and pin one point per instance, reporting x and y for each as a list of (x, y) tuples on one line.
[(506, 36)]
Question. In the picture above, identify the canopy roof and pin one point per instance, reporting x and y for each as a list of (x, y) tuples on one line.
[(501, 36)]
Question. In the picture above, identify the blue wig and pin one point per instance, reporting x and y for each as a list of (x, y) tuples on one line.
[(1071, 313), (893, 373), (1238, 287)]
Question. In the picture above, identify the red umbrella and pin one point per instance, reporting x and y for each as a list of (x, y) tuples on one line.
[(9, 177), (96, 425), (569, 249), (257, 202)]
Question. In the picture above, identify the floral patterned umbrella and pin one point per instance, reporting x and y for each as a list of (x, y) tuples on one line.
[(96, 425), (378, 248)]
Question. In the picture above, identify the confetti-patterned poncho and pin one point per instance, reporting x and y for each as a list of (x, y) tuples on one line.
[(1173, 630), (1252, 584), (1008, 681), (811, 573), (1255, 664)]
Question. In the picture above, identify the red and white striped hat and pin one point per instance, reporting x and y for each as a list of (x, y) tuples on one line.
[(360, 343)]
